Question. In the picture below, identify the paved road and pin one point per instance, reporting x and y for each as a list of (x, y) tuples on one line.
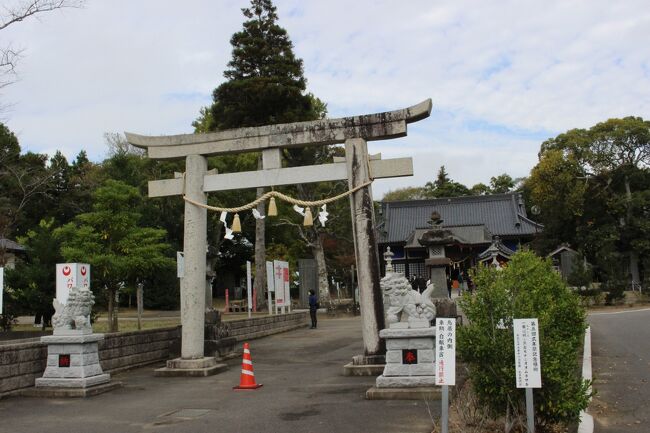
[(621, 371), (303, 391)]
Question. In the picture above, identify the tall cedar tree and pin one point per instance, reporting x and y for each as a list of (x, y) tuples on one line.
[(265, 85)]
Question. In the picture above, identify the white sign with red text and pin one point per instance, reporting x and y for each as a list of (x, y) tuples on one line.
[(281, 283), (69, 275), (527, 365), (445, 351)]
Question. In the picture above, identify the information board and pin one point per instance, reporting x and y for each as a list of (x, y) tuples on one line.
[(69, 275), (527, 365), (280, 274), (445, 351), (270, 282)]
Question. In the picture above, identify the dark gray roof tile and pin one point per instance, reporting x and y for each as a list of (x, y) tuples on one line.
[(502, 215)]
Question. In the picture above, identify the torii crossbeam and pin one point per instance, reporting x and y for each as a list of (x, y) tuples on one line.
[(358, 168)]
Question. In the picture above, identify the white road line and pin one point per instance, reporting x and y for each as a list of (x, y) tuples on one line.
[(619, 312)]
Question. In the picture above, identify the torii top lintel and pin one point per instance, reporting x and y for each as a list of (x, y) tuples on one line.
[(379, 126)]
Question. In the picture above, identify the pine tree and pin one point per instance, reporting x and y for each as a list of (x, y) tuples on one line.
[(264, 85)]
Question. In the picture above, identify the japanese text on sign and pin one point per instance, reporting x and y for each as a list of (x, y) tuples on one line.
[(445, 351), (527, 366)]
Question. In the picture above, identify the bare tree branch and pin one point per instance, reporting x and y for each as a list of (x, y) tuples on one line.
[(26, 9), (20, 11)]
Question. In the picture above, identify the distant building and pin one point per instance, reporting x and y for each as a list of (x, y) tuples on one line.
[(457, 232), (564, 259), (9, 251)]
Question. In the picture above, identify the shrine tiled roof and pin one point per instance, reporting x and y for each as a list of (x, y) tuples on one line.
[(502, 215)]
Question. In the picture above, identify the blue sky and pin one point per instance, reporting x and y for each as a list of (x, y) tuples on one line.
[(503, 76)]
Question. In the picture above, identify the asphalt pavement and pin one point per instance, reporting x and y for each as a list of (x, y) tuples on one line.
[(304, 391), (621, 371)]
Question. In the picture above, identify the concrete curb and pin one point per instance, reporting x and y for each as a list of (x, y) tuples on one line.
[(586, 420)]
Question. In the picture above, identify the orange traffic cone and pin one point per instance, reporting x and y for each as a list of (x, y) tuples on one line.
[(247, 378)]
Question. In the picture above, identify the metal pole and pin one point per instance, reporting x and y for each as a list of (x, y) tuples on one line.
[(530, 410), (444, 419)]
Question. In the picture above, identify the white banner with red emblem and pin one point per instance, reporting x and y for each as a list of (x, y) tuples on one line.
[(281, 283), (69, 275)]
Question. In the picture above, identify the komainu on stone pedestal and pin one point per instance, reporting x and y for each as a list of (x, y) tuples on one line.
[(72, 350), (407, 307), (75, 314)]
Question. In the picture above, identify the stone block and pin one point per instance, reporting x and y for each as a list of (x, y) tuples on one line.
[(393, 357), (409, 370), (421, 343), (425, 355), (398, 344), (408, 333), (427, 393), (81, 382), (405, 382)]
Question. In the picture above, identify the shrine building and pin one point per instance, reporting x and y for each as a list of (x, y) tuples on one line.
[(457, 232)]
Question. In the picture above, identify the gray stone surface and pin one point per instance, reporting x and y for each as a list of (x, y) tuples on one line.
[(83, 370), (362, 370), (320, 132), (190, 372), (72, 382), (72, 338), (194, 247), (419, 369), (23, 362), (408, 333), (303, 391), (191, 363), (55, 392), (405, 382), (419, 393)]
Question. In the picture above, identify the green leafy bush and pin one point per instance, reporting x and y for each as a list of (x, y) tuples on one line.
[(527, 288)]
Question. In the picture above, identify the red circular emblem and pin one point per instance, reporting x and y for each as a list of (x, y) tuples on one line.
[(66, 270), (83, 270)]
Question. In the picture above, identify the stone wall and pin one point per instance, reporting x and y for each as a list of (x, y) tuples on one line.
[(21, 363), (249, 329), (124, 350)]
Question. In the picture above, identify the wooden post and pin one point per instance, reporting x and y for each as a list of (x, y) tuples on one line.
[(365, 246)]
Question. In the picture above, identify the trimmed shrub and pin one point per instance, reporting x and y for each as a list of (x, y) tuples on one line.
[(527, 288)]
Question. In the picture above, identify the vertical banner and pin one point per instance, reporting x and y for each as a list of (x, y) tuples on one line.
[(287, 284), (445, 351), (69, 275), (278, 282), (2, 286), (248, 288), (270, 285), (270, 279), (527, 364)]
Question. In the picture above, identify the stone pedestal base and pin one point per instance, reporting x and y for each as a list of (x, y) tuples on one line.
[(72, 362), (200, 367), (55, 392), (361, 365), (420, 393)]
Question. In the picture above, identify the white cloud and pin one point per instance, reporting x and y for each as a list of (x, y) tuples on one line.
[(503, 76)]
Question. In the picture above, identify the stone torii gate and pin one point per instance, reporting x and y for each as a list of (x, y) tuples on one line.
[(358, 169)]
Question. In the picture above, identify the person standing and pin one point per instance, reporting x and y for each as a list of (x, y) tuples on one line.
[(313, 308)]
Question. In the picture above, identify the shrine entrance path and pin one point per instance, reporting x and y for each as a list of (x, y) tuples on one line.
[(304, 391)]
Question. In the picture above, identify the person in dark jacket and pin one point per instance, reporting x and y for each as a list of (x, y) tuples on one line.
[(313, 308)]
